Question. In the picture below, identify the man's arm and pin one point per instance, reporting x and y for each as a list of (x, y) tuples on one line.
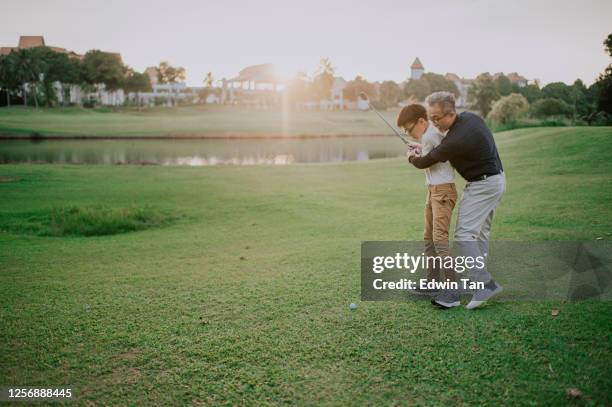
[(422, 162), (442, 153)]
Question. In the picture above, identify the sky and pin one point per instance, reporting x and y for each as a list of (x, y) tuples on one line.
[(540, 39)]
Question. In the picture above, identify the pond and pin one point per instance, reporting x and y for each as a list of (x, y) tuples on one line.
[(202, 152)]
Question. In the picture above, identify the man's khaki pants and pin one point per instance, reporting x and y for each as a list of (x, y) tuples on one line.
[(441, 200)]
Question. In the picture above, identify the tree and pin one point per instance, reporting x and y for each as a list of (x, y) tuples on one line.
[(28, 66), (105, 68), (418, 89), (504, 86), (138, 82), (559, 90), (439, 83), (208, 80), (427, 84), (584, 102), (169, 74), (531, 93), (551, 107), (356, 86), (390, 93), (509, 109), (56, 67), (324, 80), (9, 77), (602, 88), (603, 91), (483, 93)]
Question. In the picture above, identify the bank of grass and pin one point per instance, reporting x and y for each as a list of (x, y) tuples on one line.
[(206, 121), (188, 121), (247, 302)]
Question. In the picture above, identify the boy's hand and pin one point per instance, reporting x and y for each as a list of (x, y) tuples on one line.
[(412, 144), (412, 152)]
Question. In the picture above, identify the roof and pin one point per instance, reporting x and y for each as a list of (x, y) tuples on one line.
[(515, 77), (34, 41), (258, 73), (452, 77), (31, 41), (417, 64)]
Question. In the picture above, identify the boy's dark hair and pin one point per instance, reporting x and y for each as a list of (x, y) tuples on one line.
[(410, 114)]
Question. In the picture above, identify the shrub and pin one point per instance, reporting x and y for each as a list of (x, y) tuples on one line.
[(602, 119), (85, 221), (551, 107), (509, 109)]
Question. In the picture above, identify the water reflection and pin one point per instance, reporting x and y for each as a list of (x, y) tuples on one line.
[(201, 152)]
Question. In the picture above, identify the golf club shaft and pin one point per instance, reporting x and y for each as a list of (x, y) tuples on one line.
[(388, 124), (407, 142)]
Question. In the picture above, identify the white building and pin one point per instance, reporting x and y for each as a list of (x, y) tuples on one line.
[(463, 86), (337, 93), (167, 93)]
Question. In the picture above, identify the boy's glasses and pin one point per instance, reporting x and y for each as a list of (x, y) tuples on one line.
[(408, 129)]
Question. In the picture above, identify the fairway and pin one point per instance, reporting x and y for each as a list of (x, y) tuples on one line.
[(190, 121), (240, 297)]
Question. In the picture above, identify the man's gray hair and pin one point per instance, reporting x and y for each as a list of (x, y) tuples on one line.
[(446, 101)]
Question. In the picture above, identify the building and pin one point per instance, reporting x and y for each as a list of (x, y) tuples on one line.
[(256, 85), (34, 41), (337, 93), (515, 78), (463, 86), (416, 69), (165, 93), (77, 95)]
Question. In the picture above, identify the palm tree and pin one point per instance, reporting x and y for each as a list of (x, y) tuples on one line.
[(27, 65)]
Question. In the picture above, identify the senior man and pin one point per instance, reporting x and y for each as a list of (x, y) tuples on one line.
[(470, 148)]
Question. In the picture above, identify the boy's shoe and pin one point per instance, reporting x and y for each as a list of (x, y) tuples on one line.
[(481, 296), (446, 300)]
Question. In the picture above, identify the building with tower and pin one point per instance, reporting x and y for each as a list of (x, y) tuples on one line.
[(416, 69)]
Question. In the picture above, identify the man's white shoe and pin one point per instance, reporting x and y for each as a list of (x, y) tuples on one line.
[(481, 296)]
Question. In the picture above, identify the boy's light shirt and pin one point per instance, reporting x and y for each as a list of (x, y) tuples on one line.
[(439, 173)]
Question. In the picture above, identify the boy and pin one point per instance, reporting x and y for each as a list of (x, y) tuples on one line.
[(441, 190)]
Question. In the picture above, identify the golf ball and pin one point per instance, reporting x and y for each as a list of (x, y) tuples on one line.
[(352, 306)]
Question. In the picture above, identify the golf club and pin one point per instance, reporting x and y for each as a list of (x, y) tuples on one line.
[(410, 144)]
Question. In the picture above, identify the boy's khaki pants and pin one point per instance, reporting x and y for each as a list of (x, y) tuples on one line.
[(441, 200)]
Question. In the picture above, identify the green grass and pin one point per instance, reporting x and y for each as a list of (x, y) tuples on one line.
[(93, 220), (243, 300), (192, 121)]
